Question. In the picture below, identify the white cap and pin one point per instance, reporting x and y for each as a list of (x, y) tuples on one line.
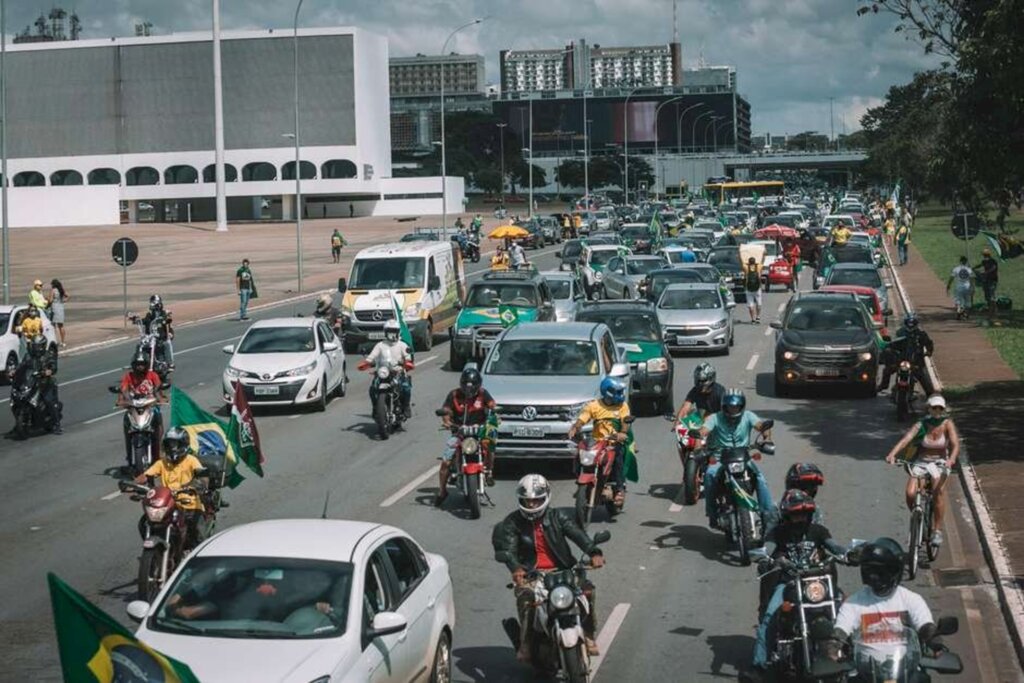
[(936, 400)]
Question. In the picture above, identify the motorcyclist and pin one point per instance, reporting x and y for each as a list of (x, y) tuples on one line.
[(802, 476), (31, 324), (469, 404), (140, 381), (179, 469), (534, 539), (326, 309), (476, 225), (40, 359), (706, 395), (730, 428), (913, 344), (609, 414), (395, 354), (157, 322)]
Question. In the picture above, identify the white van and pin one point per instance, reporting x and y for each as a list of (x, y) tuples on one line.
[(426, 279)]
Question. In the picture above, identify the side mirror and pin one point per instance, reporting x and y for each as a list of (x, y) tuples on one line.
[(602, 537), (775, 324), (947, 626), (342, 285), (945, 663), (619, 370), (331, 346), (229, 349), (435, 283), (458, 305), (137, 610), (385, 624)]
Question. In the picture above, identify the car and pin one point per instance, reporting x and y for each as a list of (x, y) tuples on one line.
[(835, 220), (541, 377), (11, 349), (868, 297), (638, 237), (865, 240), (699, 241), (602, 220), (550, 229), (825, 339), (286, 361), (535, 237), (712, 237), (524, 295), (593, 260), (696, 317), (422, 235), (566, 292), (834, 254), (772, 252), (637, 332), (300, 600), (727, 261), (656, 281), (712, 227), (605, 237), (862, 274), (623, 275), (673, 255)]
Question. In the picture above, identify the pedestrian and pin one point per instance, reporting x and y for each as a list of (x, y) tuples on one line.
[(245, 283), (337, 242), (351, 210), (961, 282), (792, 252), (902, 240), (518, 256), (890, 230), (58, 295), (35, 295), (988, 275), (752, 284), (325, 209)]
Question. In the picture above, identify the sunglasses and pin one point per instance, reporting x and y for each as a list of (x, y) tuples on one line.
[(938, 408)]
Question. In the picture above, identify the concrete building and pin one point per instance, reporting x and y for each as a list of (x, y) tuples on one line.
[(104, 130)]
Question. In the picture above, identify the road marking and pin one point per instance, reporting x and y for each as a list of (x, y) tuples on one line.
[(976, 629), (296, 416), (608, 632), (426, 360), (767, 331), (675, 507), (782, 306), (103, 417), (753, 361), (111, 496), (408, 488)]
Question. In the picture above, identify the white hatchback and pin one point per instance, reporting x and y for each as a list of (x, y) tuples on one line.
[(11, 349), (287, 361), (306, 601)]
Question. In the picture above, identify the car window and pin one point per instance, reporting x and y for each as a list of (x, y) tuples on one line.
[(543, 357), (690, 300), (560, 289), (5, 318), (322, 334), (408, 569), (603, 256), (625, 328), (492, 294), (615, 264), (431, 271), (278, 340), (820, 317), (643, 266), (377, 596), (862, 277), (387, 273)]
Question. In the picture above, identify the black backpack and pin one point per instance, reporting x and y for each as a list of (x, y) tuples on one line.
[(753, 280)]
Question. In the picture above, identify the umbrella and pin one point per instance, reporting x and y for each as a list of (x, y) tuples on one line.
[(508, 232), (775, 231)]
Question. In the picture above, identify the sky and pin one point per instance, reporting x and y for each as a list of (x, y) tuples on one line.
[(791, 56)]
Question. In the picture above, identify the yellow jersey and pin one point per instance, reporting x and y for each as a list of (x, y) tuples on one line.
[(601, 415), (176, 477), (30, 327)]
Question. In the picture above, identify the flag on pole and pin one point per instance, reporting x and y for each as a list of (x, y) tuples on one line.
[(94, 648), (632, 466), (895, 198), (243, 434), (404, 333), (654, 229)]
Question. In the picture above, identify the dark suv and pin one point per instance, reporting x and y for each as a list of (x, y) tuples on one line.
[(825, 339), (727, 260)]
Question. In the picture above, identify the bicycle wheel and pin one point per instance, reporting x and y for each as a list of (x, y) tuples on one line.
[(915, 542), (932, 548)]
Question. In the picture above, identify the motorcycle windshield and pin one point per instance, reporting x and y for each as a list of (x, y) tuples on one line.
[(884, 649)]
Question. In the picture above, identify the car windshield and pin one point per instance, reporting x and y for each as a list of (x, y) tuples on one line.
[(869, 302), (491, 294), (643, 266), (725, 257), (626, 327), (855, 276), (387, 273), (278, 340), (560, 289), (690, 300), (821, 317), (603, 256), (572, 249), (675, 256), (257, 597), (660, 282), (788, 221), (637, 232), (543, 357), (4, 319)]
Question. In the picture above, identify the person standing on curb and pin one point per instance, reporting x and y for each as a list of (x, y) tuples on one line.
[(988, 274), (902, 239), (58, 295), (337, 242), (245, 283), (35, 295)]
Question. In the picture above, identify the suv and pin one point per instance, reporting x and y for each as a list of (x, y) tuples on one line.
[(825, 339), (637, 332), (592, 264), (624, 275), (541, 377), (727, 260), (498, 300), (835, 254)]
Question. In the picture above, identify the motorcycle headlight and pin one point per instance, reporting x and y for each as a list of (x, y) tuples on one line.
[(413, 311), (736, 467), (464, 332), (598, 276), (587, 457), (470, 446), (657, 365), (232, 372), (561, 597), (789, 355), (815, 591), (156, 515), (865, 355), (304, 370), (905, 365), (383, 372), (721, 324)]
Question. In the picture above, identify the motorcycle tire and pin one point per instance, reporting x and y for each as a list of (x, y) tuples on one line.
[(149, 574), (691, 482), (22, 423), (380, 414), (577, 667), (140, 458), (902, 405), (476, 257), (744, 539), (582, 509), (914, 552), (473, 496)]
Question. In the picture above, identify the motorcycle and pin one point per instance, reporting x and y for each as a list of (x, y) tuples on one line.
[(387, 404), (140, 411), (903, 395), (739, 515), (469, 246), (467, 471), (594, 461), (150, 346), (31, 414), (694, 459), (558, 644)]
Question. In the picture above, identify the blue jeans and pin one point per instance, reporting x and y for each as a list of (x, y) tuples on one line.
[(761, 642), (902, 251), (764, 496), (243, 301)]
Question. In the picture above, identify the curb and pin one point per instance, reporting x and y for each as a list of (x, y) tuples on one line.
[(1011, 596)]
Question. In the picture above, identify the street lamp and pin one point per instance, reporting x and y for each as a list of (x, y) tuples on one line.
[(679, 127), (586, 154), (657, 110), (298, 163), (3, 152), (444, 166), (529, 151), (710, 123), (625, 142), (501, 139), (693, 129)]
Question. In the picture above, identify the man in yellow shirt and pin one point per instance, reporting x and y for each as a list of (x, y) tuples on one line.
[(32, 324), (609, 415), (36, 296), (841, 234), (177, 470)]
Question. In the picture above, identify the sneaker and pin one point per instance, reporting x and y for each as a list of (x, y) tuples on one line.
[(440, 498), (937, 537)]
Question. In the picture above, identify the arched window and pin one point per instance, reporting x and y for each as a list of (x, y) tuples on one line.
[(308, 171), (180, 175), (29, 179), (66, 177), (210, 173), (142, 175), (104, 176), (338, 168), (259, 170)]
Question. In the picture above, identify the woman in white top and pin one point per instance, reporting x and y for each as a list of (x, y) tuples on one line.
[(58, 295)]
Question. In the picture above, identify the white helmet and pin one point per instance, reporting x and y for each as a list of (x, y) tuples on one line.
[(392, 330), (533, 494), (324, 301)]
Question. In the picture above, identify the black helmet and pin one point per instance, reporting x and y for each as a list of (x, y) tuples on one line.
[(881, 566), (805, 476), (470, 382), (176, 444), (910, 321), (704, 375), (796, 502), (37, 346), (155, 302), (734, 404), (139, 363)]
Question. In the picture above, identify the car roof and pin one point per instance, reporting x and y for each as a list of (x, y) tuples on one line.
[(296, 538), (604, 247), (557, 275), (643, 257), (854, 266), (817, 296), (11, 308), (617, 307), (414, 248), (863, 290), (551, 330), (283, 322), (709, 286)]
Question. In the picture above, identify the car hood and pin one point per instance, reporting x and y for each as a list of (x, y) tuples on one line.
[(262, 363), (701, 317), (546, 390), (852, 338), (489, 316)]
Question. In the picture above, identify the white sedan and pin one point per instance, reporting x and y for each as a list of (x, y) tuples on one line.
[(11, 350), (287, 361), (306, 601)]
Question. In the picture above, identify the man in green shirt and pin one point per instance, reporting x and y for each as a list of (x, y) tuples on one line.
[(902, 238), (337, 242), (245, 283)]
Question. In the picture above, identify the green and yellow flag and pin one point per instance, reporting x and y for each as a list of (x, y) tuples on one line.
[(632, 466), (404, 333), (508, 315), (94, 648), (208, 435)]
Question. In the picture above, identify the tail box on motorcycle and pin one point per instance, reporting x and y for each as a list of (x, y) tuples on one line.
[(215, 464)]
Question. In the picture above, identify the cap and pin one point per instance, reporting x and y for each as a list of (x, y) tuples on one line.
[(936, 400), (37, 283), (986, 252)]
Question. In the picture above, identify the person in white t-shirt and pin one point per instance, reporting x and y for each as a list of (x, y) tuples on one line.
[(961, 281)]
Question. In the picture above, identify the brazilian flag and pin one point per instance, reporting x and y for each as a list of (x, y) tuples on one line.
[(632, 467), (403, 330), (208, 435), (94, 648), (508, 315)]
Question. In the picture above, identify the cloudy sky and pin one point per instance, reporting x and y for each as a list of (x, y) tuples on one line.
[(791, 56)]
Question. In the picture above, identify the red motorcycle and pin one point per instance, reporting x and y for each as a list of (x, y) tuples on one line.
[(595, 459), (467, 471), (692, 455)]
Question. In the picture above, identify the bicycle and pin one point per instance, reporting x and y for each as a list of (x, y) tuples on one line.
[(929, 476)]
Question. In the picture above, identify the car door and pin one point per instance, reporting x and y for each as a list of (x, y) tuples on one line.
[(416, 600), (331, 360), (613, 279), (382, 656)]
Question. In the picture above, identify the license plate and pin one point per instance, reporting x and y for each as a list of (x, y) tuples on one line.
[(685, 341), (376, 335), (270, 390), (826, 372), (528, 432)]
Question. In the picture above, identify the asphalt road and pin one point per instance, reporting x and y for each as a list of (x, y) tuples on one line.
[(672, 603)]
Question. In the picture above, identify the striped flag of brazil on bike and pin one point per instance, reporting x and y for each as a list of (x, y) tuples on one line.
[(96, 649), (210, 437)]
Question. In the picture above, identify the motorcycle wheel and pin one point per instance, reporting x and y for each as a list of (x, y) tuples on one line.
[(902, 405), (140, 458), (380, 414), (582, 509), (691, 482), (149, 574), (915, 543), (21, 423), (577, 669), (744, 539), (473, 495), (476, 257)]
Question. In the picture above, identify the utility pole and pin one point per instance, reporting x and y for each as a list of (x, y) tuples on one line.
[(831, 122), (501, 138), (298, 162), (3, 151), (218, 125)]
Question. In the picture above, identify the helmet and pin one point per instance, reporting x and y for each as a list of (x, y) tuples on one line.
[(881, 566), (533, 493), (805, 476), (139, 363), (470, 381), (155, 302), (704, 375), (734, 404), (176, 444), (612, 392), (324, 301), (796, 502), (910, 321), (392, 330), (37, 346)]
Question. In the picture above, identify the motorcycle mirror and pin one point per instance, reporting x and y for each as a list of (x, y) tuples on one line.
[(602, 537), (342, 285), (945, 663), (440, 412), (947, 626), (137, 610), (768, 448)]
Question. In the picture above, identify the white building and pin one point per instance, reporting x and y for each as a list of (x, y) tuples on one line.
[(101, 130)]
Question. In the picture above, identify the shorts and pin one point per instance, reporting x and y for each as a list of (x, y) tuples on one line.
[(450, 446), (990, 291), (753, 298), (962, 296)]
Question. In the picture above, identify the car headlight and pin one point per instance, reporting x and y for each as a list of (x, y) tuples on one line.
[(789, 355), (232, 372), (815, 591), (464, 332), (864, 355), (304, 370), (576, 409), (598, 275), (720, 324), (657, 365), (413, 311), (562, 597)]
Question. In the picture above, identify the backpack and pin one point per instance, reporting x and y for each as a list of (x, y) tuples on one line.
[(753, 281)]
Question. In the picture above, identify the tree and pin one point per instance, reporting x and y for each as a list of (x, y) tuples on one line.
[(488, 179), (807, 141), (858, 139), (521, 173), (570, 173), (938, 25)]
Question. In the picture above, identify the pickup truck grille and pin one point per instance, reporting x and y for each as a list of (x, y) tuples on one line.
[(828, 359), (488, 332), (514, 413)]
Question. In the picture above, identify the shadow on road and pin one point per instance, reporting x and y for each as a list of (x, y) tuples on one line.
[(669, 492), (491, 663), (734, 651), (712, 545)]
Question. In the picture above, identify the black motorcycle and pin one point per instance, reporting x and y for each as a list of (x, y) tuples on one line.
[(739, 514), (31, 413), (386, 390), (469, 246), (151, 346)]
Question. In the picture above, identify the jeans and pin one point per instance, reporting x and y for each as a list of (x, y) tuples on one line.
[(619, 468), (764, 496), (243, 302), (902, 251), (761, 642)]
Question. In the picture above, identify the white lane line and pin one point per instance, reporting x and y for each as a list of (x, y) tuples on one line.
[(782, 306), (296, 416), (426, 360), (111, 496), (767, 331), (753, 361), (408, 488), (103, 417), (675, 507), (608, 632)]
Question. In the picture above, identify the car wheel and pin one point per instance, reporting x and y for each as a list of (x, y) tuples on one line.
[(427, 341), (455, 361), (441, 671), (321, 403)]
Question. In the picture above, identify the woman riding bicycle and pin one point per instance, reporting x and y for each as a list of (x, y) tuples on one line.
[(937, 443)]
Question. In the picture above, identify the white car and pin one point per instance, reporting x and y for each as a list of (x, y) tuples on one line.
[(772, 253), (11, 350), (306, 601), (287, 361)]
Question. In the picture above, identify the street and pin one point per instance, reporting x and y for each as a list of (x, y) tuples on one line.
[(673, 603)]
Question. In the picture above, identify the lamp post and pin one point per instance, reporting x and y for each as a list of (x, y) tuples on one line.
[(693, 129), (501, 141), (625, 143), (709, 124), (529, 152), (679, 127), (218, 126), (444, 166), (657, 161), (298, 163), (3, 151)]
